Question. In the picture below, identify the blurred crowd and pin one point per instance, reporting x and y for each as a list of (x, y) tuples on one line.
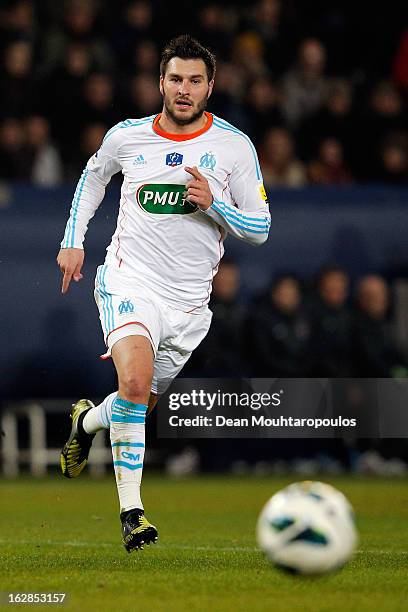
[(326, 327), (321, 88), (321, 330)]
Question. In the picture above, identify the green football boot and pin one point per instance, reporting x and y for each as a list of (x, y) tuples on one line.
[(74, 455)]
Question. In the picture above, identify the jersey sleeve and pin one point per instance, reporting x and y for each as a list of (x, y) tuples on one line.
[(91, 190), (249, 219)]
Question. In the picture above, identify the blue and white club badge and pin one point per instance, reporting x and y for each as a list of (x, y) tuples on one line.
[(126, 307), (174, 159), (208, 161)]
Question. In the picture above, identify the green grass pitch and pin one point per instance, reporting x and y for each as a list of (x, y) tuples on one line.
[(64, 536)]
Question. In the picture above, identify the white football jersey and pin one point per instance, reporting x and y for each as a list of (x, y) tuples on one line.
[(162, 241)]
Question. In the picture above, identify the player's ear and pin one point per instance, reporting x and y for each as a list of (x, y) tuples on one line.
[(210, 87), (161, 85)]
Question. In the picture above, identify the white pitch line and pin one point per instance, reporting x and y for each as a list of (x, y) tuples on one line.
[(82, 544)]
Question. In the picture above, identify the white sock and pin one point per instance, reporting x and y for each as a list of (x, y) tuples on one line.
[(99, 417), (127, 434)]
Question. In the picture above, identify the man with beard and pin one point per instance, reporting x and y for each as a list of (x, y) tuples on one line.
[(189, 179)]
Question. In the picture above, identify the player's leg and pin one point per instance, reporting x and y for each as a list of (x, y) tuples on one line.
[(141, 319), (87, 420), (141, 378), (99, 417), (133, 358)]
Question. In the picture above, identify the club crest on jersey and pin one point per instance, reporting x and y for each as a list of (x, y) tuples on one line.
[(174, 159), (126, 307), (139, 161), (208, 161)]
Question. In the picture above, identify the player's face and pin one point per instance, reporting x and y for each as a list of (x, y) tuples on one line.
[(185, 90)]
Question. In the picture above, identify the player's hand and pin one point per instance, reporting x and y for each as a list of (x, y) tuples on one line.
[(70, 262), (198, 189)]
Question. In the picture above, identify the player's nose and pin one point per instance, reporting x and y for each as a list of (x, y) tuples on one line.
[(184, 88)]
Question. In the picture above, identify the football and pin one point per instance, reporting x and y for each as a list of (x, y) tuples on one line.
[(307, 528)]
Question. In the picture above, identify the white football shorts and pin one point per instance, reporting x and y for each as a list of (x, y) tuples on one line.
[(127, 309)]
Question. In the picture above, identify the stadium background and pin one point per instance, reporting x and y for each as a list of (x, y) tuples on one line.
[(321, 88)]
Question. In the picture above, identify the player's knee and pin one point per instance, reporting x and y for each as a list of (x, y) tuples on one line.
[(134, 387)]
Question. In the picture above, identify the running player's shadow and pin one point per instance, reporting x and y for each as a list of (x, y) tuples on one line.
[(62, 367)]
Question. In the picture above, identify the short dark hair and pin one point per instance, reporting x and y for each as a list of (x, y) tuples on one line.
[(186, 47)]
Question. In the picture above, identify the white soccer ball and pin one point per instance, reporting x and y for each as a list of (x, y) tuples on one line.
[(307, 528)]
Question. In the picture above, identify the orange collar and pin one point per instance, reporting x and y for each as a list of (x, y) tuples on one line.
[(180, 137)]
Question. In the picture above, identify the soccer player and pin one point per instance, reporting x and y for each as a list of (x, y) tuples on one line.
[(189, 179)]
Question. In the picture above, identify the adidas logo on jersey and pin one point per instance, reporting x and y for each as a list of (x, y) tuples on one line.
[(139, 161)]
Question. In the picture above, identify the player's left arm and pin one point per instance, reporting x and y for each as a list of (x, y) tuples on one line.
[(249, 219)]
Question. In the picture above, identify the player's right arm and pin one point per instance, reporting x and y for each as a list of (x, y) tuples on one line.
[(87, 197)]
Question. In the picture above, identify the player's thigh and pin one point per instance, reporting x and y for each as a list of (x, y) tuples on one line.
[(125, 310), (167, 365), (133, 358), (173, 354)]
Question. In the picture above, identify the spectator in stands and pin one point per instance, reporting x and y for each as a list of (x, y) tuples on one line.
[(225, 99), (146, 58), (329, 167), (17, 23), (270, 19), (216, 26), (62, 96), (43, 160), (263, 107), (98, 101), (136, 23), (91, 139), (334, 120), (12, 157), (248, 54), (304, 86), (331, 325), (221, 352), (79, 26), (145, 98), (279, 164), (375, 350), (278, 331), (394, 160), (44, 75), (17, 84), (385, 116)]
